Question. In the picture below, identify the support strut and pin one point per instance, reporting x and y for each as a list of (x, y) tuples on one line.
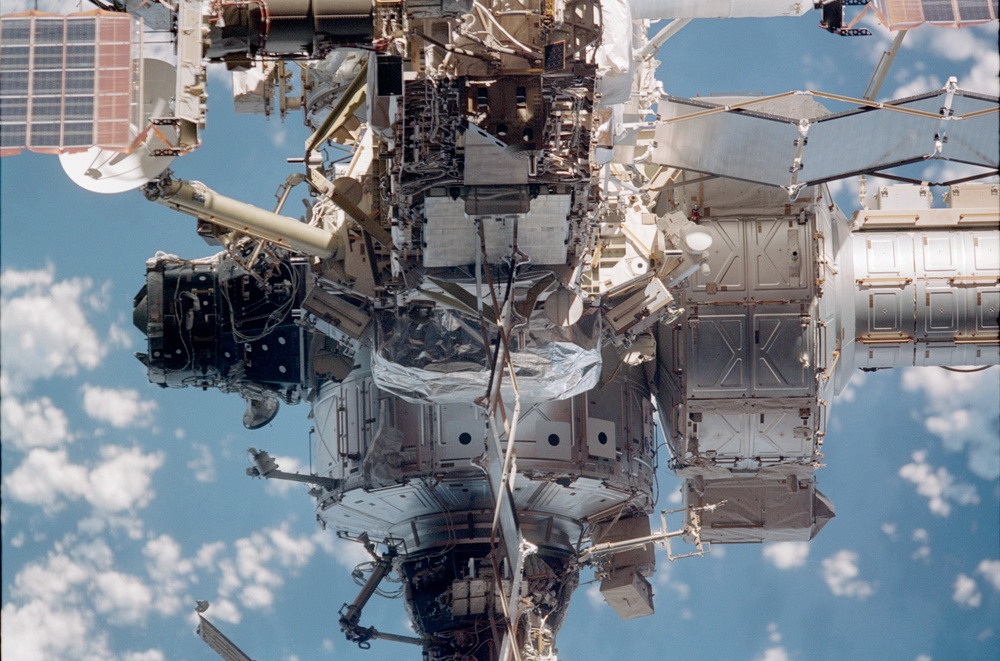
[(350, 614)]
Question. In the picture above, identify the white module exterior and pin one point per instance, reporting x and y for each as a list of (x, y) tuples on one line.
[(791, 304), (424, 460), (653, 9), (740, 393), (927, 297)]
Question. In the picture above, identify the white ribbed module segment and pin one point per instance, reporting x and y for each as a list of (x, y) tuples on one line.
[(927, 287)]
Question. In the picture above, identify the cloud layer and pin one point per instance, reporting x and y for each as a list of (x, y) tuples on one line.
[(840, 571), (45, 328), (940, 487), (786, 555), (961, 410)]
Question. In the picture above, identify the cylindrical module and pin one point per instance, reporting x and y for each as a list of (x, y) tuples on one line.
[(929, 297), (656, 9)]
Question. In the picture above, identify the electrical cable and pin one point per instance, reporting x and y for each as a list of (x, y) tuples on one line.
[(962, 370)]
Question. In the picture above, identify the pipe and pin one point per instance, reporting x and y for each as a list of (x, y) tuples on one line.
[(654, 44), (196, 199)]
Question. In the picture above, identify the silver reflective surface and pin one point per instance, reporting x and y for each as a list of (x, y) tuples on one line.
[(763, 143)]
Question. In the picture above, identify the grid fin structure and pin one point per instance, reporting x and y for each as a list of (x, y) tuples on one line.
[(68, 83), (906, 14)]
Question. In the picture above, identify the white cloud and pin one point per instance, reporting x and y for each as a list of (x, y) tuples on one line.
[(664, 571), (774, 654), (229, 580), (922, 537), (594, 595), (47, 616), (40, 631), (101, 298), (128, 523), (918, 85), (786, 555), (881, 39), (969, 47), (33, 424), (923, 657), (120, 482), (203, 465), (207, 554), (253, 559), (46, 478), (889, 529), (55, 578), (94, 553), (12, 280), (45, 328), (939, 486), (348, 554), (982, 77), (990, 570), (293, 552), (59, 605), (279, 137), (123, 481), (126, 599), (966, 593), (225, 610), (171, 573), (120, 407), (148, 655), (840, 571), (683, 590), (960, 409), (253, 574), (256, 597), (938, 171)]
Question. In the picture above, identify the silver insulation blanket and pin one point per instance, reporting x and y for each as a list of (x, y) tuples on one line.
[(442, 360)]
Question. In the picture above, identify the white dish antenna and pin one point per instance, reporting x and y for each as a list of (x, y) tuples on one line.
[(104, 171)]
